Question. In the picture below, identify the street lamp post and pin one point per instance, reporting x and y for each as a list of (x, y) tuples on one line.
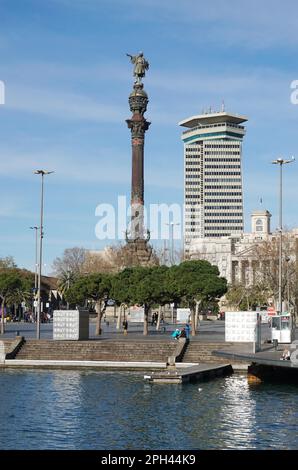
[(280, 162), (171, 224), (68, 284), (42, 173), (288, 259), (36, 264)]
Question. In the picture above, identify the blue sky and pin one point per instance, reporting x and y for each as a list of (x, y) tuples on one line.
[(67, 82)]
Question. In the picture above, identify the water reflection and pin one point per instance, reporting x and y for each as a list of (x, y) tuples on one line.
[(237, 417), (108, 410)]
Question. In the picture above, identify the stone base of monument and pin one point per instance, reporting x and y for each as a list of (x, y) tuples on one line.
[(138, 253)]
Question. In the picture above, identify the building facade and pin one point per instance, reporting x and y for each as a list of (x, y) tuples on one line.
[(213, 203), (237, 257)]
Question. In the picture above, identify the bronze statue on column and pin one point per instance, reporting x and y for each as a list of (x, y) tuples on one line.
[(138, 236)]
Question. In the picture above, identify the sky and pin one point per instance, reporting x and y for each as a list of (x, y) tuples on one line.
[(67, 79)]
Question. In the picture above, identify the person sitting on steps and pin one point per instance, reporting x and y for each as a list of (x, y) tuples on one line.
[(286, 355)]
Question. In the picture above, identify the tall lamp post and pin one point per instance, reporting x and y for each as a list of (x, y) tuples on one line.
[(36, 264), (288, 259), (68, 284), (171, 224), (42, 173), (280, 162)]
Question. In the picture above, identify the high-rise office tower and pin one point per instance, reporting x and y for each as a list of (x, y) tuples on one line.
[(213, 204)]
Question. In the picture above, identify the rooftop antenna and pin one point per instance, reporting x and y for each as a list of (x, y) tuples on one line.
[(223, 107), (261, 200)]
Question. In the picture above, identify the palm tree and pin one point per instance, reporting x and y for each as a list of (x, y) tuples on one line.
[(66, 280)]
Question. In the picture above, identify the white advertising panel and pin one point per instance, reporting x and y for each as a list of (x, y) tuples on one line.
[(241, 326), (70, 325), (136, 314), (183, 315)]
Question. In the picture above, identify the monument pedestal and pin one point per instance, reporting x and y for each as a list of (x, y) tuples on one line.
[(138, 253)]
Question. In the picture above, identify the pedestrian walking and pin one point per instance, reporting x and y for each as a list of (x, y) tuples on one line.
[(125, 327), (187, 330)]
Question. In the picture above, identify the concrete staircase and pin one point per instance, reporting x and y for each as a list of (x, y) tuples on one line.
[(107, 350), (7, 344), (202, 352)]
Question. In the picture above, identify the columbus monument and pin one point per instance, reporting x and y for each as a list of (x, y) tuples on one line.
[(137, 250)]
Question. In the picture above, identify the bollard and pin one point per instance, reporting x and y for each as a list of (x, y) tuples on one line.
[(171, 363)]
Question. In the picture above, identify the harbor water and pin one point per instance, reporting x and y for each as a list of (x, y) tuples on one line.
[(63, 409)]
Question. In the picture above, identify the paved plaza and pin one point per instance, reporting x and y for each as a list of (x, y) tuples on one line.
[(209, 331)]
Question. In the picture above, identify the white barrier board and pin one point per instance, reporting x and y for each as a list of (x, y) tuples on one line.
[(70, 325), (135, 315), (183, 315), (241, 326)]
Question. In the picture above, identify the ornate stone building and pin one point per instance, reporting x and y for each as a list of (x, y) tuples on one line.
[(237, 257)]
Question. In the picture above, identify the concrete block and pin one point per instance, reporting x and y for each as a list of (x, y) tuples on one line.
[(2, 352), (70, 325)]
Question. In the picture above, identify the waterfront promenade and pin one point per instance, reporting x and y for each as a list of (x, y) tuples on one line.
[(115, 350), (209, 331)]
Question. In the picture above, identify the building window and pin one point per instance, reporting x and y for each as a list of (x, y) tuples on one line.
[(259, 225)]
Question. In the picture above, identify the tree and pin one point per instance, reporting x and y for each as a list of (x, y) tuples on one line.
[(121, 290), (267, 267), (121, 284), (95, 287), (145, 286), (126, 289), (77, 294), (72, 260), (112, 259), (191, 281), (15, 287), (7, 263), (240, 297), (149, 288), (195, 281), (101, 262), (65, 281)]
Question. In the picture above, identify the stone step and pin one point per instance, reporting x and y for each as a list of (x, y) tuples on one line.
[(97, 350), (202, 352), (110, 348), (101, 358), (90, 354), (103, 347), (132, 350), (119, 350)]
